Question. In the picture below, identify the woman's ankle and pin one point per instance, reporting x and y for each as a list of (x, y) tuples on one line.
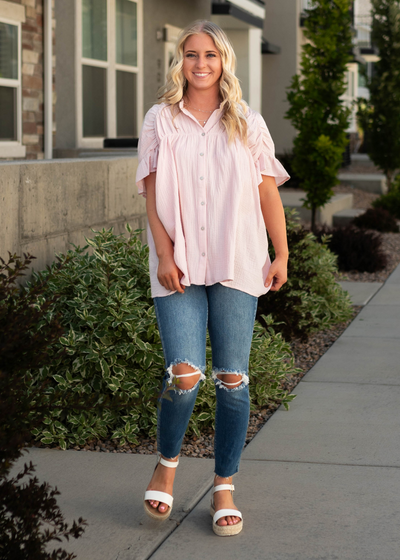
[(222, 480), (171, 460)]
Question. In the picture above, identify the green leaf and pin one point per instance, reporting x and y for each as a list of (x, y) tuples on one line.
[(203, 416), (104, 368)]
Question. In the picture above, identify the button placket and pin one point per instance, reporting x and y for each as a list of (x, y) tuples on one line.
[(203, 207)]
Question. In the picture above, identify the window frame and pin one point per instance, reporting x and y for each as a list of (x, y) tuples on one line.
[(111, 66), (14, 148)]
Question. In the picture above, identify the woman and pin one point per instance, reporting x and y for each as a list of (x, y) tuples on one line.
[(208, 170)]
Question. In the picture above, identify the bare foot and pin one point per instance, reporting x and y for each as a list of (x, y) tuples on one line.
[(223, 500), (163, 481)]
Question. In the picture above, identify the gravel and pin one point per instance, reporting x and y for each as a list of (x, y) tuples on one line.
[(390, 246), (361, 167), (361, 199)]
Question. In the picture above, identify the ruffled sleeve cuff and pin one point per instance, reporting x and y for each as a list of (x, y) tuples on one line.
[(147, 165), (262, 150), (147, 149), (272, 167)]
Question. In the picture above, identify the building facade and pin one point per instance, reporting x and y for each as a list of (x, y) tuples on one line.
[(74, 72)]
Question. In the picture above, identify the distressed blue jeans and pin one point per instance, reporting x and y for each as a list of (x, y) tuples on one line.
[(183, 320)]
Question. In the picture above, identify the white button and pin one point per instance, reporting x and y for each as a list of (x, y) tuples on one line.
[(203, 203), (202, 229), (202, 154), (203, 254), (203, 133), (201, 178)]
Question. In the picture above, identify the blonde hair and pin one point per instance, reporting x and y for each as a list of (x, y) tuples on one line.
[(233, 107)]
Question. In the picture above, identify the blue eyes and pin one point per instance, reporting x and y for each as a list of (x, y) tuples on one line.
[(192, 55)]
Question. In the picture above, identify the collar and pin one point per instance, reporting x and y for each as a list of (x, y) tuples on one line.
[(181, 106)]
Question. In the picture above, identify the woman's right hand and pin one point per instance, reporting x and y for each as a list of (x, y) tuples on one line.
[(169, 275)]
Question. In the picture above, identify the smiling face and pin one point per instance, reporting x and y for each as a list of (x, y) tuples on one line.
[(202, 64)]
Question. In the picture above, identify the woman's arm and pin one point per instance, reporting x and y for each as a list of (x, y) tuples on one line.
[(274, 219), (168, 273)]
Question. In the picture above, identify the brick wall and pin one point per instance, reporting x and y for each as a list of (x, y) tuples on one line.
[(33, 78)]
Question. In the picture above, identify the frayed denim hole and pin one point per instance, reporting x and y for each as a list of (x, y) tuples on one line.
[(172, 376), (220, 383)]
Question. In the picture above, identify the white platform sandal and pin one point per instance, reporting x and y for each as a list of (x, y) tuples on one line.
[(226, 530), (161, 497)]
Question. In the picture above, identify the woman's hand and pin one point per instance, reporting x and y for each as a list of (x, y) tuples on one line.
[(277, 274), (169, 275), (274, 218)]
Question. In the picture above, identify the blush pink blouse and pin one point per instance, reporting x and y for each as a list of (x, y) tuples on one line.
[(207, 197)]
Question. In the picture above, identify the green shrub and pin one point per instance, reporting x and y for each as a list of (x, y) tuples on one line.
[(356, 249), (311, 299), (378, 219), (391, 200), (113, 350), (112, 345), (30, 518)]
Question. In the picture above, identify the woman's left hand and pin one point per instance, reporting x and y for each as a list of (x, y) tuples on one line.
[(277, 274)]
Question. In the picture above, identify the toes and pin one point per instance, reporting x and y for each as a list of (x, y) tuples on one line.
[(163, 508), (228, 521), (153, 504)]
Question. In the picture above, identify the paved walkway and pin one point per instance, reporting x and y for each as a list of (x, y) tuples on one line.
[(319, 482)]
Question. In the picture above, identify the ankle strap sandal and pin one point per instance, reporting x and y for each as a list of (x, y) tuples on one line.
[(161, 497), (226, 530)]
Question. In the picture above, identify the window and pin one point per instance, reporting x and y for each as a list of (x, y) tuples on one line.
[(109, 96), (306, 4), (10, 84)]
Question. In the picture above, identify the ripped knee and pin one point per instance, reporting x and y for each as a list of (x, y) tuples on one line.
[(230, 380), (184, 376)]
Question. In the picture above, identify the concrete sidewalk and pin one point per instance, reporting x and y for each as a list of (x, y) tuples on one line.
[(320, 482)]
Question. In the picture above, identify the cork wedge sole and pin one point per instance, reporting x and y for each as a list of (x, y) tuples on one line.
[(226, 530)]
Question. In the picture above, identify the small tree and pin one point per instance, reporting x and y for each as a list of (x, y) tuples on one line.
[(316, 108), (383, 125)]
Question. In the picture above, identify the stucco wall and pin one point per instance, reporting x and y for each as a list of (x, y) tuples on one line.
[(282, 28), (45, 206)]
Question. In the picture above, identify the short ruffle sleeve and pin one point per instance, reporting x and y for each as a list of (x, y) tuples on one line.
[(262, 149), (147, 149)]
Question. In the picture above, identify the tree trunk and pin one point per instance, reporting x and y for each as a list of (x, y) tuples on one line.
[(313, 215), (389, 179)]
